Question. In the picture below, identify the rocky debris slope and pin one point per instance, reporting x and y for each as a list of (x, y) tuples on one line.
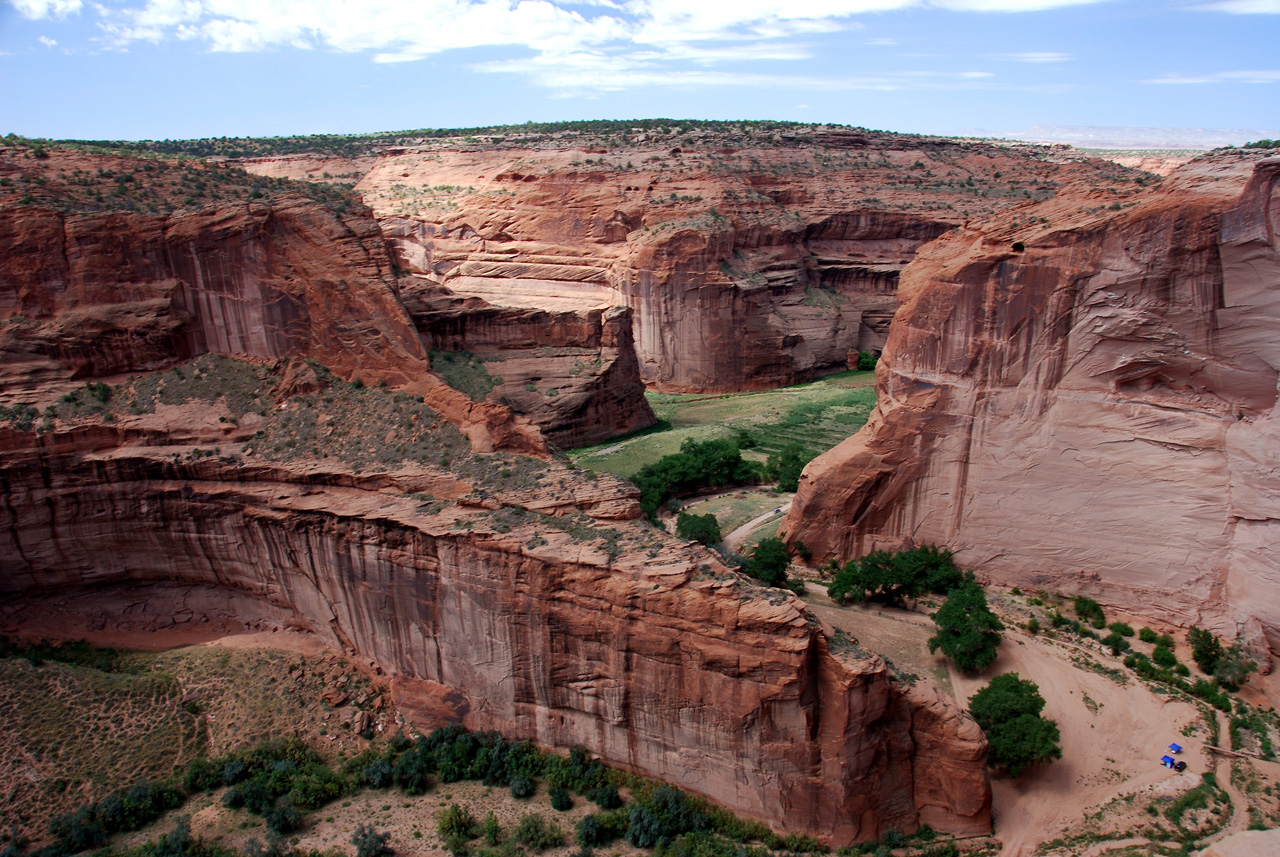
[(503, 591), (749, 261), (573, 373), (1081, 395)]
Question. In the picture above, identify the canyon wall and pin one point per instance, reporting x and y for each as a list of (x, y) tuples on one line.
[(748, 263), (106, 293), (573, 373), (1081, 395), (660, 661)]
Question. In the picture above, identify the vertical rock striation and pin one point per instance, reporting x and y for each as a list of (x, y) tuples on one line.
[(1082, 395)]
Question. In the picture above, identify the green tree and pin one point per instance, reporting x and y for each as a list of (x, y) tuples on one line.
[(968, 632), (785, 466), (892, 578), (1206, 649), (769, 562), (1008, 710), (700, 528)]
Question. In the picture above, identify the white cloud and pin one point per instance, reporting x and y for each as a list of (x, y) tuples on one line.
[(574, 43), (46, 8), (1244, 7), (1040, 56), (48, 42), (1256, 76)]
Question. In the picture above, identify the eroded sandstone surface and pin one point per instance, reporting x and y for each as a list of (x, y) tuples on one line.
[(140, 489), (504, 592), (1081, 394), (750, 259)]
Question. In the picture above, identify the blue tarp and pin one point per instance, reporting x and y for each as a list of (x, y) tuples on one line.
[(1167, 761), (1175, 748)]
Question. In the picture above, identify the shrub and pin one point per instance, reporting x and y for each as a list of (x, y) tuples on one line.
[(1146, 635), (379, 774), (201, 776), (284, 817), (606, 796), (1121, 628), (1090, 611), (491, 829), (457, 821), (867, 360), (665, 815), (538, 833), (700, 528), (1033, 625), (1116, 643), (370, 843), (1205, 649), (560, 800), (1008, 710), (968, 632), (1163, 656), (522, 786), (769, 562)]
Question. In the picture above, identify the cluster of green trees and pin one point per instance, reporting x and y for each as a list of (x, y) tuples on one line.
[(968, 631), (1008, 710), (893, 578), (698, 465), (1263, 144), (1227, 664)]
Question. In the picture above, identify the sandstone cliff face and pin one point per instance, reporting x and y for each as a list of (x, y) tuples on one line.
[(88, 293), (745, 267), (641, 648), (1096, 413), (573, 373), (101, 294)]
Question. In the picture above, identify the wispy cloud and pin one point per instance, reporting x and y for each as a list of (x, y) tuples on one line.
[(48, 42), (1243, 7), (1254, 76), (46, 8), (576, 45), (1037, 56)]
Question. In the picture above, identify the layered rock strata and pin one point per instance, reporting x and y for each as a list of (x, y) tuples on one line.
[(640, 648), (1082, 395), (745, 266), (573, 373)]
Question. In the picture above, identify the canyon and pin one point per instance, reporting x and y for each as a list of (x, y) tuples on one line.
[(1080, 395), (323, 479), (749, 258)]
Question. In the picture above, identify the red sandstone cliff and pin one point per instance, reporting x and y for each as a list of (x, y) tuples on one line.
[(87, 291), (573, 373), (1094, 413), (605, 633), (748, 263)]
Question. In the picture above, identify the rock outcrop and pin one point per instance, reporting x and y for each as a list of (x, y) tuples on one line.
[(748, 263), (573, 373), (1081, 395), (87, 292), (599, 631)]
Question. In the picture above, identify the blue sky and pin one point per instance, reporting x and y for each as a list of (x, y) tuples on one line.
[(132, 69)]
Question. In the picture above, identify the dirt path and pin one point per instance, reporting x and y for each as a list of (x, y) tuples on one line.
[(735, 538)]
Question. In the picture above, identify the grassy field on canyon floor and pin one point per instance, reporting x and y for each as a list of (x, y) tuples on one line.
[(816, 415)]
